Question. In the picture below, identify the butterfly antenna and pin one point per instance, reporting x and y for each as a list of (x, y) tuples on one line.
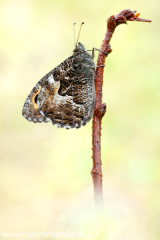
[(74, 33), (79, 32)]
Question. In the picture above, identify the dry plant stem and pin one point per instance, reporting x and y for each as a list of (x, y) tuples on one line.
[(100, 109)]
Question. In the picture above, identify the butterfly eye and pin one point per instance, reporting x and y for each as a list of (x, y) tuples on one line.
[(35, 101), (36, 97)]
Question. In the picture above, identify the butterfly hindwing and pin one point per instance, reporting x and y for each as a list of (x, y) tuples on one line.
[(66, 95)]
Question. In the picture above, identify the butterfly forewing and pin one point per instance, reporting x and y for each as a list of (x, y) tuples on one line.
[(66, 95)]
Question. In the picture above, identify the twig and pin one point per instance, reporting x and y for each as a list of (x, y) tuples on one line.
[(100, 109)]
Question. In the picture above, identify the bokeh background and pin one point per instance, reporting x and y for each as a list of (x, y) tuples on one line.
[(45, 181)]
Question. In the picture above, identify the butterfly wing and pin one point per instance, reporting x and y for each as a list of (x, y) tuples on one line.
[(30, 109), (66, 95)]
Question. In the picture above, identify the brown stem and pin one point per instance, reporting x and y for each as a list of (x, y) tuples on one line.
[(100, 109)]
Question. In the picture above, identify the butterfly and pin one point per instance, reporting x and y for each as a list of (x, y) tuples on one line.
[(66, 95)]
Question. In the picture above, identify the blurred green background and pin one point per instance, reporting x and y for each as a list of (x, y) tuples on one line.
[(45, 181)]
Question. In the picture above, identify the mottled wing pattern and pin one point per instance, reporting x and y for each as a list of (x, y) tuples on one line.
[(66, 95)]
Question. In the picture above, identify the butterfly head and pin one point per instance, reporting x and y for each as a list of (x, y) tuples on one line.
[(79, 48)]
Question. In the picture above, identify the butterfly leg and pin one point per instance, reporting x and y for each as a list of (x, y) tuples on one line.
[(109, 50), (100, 66), (101, 110)]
